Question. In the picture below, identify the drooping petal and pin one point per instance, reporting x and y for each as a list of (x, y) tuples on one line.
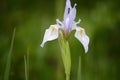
[(50, 34), (82, 37)]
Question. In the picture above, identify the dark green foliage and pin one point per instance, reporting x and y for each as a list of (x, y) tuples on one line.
[(100, 18)]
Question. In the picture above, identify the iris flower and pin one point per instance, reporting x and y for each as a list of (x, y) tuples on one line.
[(67, 25)]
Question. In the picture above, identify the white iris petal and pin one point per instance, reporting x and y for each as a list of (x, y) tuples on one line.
[(82, 37), (50, 34)]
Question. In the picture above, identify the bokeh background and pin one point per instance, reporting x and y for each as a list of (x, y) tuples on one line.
[(100, 19)]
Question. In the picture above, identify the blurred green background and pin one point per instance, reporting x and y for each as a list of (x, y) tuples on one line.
[(100, 18)]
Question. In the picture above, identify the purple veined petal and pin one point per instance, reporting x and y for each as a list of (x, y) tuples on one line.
[(66, 22), (69, 22), (69, 16), (72, 14), (67, 9)]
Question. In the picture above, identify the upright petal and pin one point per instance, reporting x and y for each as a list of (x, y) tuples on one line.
[(82, 37), (59, 22), (73, 13), (69, 16), (67, 9), (72, 16), (50, 34)]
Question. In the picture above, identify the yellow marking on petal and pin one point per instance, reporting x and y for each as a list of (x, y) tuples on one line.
[(81, 33), (53, 29)]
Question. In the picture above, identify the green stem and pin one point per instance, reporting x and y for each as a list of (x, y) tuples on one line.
[(26, 77), (65, 52), (67, 77), (8, 63)]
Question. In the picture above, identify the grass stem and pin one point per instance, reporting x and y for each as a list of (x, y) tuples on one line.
[(26, 77), (8, 63)]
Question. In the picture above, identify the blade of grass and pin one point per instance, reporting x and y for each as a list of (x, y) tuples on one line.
[(26, 77), (28, 63), (8, 63), (79, 69)]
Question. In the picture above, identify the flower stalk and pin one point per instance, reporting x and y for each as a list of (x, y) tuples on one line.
[(65, 53), (61, 31)]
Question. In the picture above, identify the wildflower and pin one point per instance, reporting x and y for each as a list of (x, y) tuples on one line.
[(61, 30), (67, 25)]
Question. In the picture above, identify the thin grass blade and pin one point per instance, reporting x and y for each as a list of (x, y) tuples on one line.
[(27, 63), (8, 63), (26, 77)]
